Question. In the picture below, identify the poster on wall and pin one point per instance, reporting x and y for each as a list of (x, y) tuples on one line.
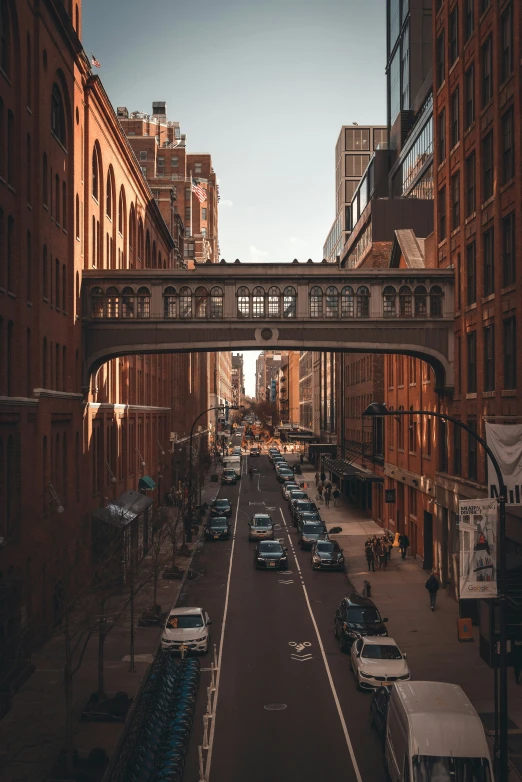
[(506, 443), (478, 529)]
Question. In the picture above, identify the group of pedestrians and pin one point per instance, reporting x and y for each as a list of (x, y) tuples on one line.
[(325, 490), (378, 551)]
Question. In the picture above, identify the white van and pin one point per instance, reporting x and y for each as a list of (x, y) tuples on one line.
[(434, 733), (233, 463)]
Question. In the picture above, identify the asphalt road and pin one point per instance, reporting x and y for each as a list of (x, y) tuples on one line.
[(275, 642)]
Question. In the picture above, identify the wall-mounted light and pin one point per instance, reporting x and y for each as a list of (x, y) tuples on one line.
[(52, 491), (142, 460), (113, 477)]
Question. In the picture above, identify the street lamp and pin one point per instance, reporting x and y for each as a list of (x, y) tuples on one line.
[(501, 742)]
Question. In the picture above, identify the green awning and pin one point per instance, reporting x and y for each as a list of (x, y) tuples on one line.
[(146, 483)]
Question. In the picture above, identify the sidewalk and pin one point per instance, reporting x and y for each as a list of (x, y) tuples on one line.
[(32, 733), (429, 639)]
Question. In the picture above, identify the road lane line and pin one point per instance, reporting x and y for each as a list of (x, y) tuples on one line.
[(328, 672)]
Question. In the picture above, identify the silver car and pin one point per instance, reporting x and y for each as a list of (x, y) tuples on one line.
[(261, 527), (288, 487)]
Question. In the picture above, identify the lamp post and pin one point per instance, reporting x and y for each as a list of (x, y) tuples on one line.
[(501, 742)]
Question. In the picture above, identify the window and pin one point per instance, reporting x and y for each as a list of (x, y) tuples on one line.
[(458, 357), (45, 183), (429, 435), (455, 200), (363, 302), (200, 302), (64, 288), (400, 425), (216, 303), (458, 284), (412, 371), (472, 451), (489, 358), (510, 353), (77, 216), (440, 62), (243, 302), (469, 81), (204, 213), (487, 71), (506, 43), (187, 215), (10, 147), (455, 127), (57, 283), (483, 5), (470, 184), (108, 197), (332, 302), (95, 174), (489, 267), (58, 115), (412, 436), (347, 302), (45, 274), (121, 211), (487, 166), (174, 161), (454, 35), (143, 155), (457, 449), (357, 139), (405, 302), (405, 69), (442, 136), (508, 250), (29, 171), (189, 250), (508, 151), (389, 301), (400, 371), (57, 199), (10, 259), (468, 18), (443, 444), (355, 164), (316, 302), (436, 297), (442, 213), (258, 302), (197, 168), (274, 295), (143, 303), (5, 38), (421, 301), (471, 341), (29, 259), (471, 273), (64, 206)]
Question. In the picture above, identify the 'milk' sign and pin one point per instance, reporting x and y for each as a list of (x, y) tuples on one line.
[(505, 442)]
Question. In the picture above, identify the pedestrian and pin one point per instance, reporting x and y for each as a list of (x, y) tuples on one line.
[(323, 476), (390, 546), (432, 585), (370, 558), (404, 543), (301, 458), (316, 480), (383, 555), (327, 496), (320, 491), (517, 659), (336, 495)]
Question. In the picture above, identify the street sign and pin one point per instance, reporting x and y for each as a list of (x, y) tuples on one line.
[(389, 495)]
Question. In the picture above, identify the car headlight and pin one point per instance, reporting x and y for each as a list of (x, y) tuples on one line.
[(402, 678), (366, 675), (260, 559)]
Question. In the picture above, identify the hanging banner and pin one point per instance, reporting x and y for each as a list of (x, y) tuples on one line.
[(478, 527), (506, 443)]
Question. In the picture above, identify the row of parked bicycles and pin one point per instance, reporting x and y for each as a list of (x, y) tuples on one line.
[(157, 741)]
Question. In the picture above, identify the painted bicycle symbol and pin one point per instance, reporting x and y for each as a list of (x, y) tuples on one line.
[(299, 647)]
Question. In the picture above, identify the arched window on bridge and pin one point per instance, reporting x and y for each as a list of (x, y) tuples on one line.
[(289, 302), (97, 302), (243, 302), (332, 302), (405, 302), (216, 302), (201, 299), (128, 304), (169, 302), (258, 302), (421, 302), (274, 306), (389, 296), (185, 303), (143, 302), (436, 296), (316, 302), (347, 302), (363, 302), (113, 302)]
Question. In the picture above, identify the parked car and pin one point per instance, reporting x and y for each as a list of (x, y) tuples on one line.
[(288, 487), (272, 452), (261, 527), (221, 507), (377, 661), (284, 475), (309, 515), (270, 555), (217, 528), (300, 506), (188, 626), (278, 460), (296, 494), (309, 533), (326, 554), (357, 616), (255, 452), (379, 710), (229, 477)]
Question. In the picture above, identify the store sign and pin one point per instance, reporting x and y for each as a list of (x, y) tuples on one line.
[(478, 531), (389, 495), (506, 443)]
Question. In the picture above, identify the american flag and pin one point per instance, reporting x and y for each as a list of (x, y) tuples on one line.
[(94, 61), (198, 191)]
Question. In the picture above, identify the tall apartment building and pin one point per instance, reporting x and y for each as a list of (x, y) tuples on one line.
[(306, 403), (237, 379), (288, 389)]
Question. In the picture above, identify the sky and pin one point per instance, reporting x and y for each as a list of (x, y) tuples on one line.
[(264, 86)]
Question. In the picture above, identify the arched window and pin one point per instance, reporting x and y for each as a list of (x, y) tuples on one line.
[(95, 174), (140, 241), (258, 302), (133, 247), (64, 288), (109, 195), (143, 310), (243, 302), (10, 147), (363, 302), (185, 303), (97, 302), (201, 299), (113, 302), (169, 302), (58, 115), (64, 206), (5, 38), (2, 142), (128, 307), (289, 302), (10, 485), (147, 250), (29, 74), (421, 302), (154, 256), (45, 274), (45, 181), (316, 302), (332, 302), (405, 302), (436, 296), (216, 303), (121, 212), (347, 302), (77, 216), (45, 365), (389, 296), (274, 296)]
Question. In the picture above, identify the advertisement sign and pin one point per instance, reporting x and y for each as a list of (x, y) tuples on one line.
[(478, 527), (505, 440)]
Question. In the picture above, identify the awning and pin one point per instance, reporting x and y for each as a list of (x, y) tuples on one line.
[(125, 509), (302, 437), (344, 469), (146, 483)]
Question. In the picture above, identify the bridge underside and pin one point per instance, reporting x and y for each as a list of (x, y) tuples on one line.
[(427, 340)]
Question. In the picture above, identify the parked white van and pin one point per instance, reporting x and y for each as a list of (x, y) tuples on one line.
[(434, 733)]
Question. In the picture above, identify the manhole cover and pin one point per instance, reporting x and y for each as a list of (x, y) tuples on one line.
[(275, 706)]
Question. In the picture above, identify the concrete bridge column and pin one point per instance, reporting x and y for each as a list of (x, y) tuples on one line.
[(376, 303), (230, 301), (156, 298), (302, 300)]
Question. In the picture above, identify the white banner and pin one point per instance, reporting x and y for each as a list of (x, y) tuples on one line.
[(478, 525), (506, 443)]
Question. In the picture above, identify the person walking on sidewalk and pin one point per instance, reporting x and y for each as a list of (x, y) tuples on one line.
[(336, 495), (316, 480), (327, 496), (323, 476), (432, 585), (370, 558), (404, 543)]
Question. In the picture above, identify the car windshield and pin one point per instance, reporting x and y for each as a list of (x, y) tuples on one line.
[(230, 472), (298, 495), (363, 615), (218, 522), (185, 621), (263, 521), (431, 768), (270, 548), (314, 529), (221, 504), (328, 548), (381, 652)]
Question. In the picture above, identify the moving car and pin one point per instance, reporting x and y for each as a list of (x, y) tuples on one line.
[(309, 533), (221, 507), (261, 527), (326, 554), (300, 506), (376, 662), (379, 710), (229, 477), (357, 616), (233, 463), (255, 452), (189, 626), (288, 487), (270, 555), (236, 451), (217, 528)]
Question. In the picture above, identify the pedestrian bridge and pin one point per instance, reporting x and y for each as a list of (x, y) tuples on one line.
[(297, 306)]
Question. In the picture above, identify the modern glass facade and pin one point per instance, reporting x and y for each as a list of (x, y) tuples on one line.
[(398, 58), (413, 174)]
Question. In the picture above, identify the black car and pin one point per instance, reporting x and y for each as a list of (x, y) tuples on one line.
[(300, 506), (379, 710), (221, 507), (255, 452), (327, 555), (309, 515), (229, 476), (284, 475), (270, 555), (217, 528), (355, 616), (309, 533)]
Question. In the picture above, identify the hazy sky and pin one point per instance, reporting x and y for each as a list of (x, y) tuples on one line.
[(263, 86)]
